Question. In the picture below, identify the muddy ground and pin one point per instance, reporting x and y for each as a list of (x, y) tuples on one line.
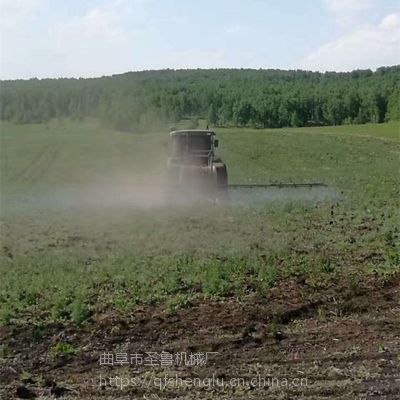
[(293, 344)]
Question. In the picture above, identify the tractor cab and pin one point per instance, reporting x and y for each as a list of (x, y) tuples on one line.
[(192, 146)]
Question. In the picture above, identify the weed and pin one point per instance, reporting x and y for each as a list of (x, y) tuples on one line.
[(276, 330), (356, 287), (175, 303), (61, 308), (321, 314), (80, 310), (216, 280), (327, 266), (38, 332), (62, 348), (6, 314), (382, 348)]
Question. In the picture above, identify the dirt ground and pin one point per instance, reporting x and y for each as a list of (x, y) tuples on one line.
[(293, 344)]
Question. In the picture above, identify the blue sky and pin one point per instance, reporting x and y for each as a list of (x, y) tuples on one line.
[(85, 38)]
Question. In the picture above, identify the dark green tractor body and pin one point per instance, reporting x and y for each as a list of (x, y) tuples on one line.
[(193, 164)]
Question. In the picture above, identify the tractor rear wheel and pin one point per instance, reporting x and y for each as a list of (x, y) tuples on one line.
[(222, 176)]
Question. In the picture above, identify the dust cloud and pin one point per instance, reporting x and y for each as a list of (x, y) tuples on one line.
[(257, 195), (153, 193)]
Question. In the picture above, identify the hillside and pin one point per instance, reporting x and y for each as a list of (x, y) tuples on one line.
[(140, 101)]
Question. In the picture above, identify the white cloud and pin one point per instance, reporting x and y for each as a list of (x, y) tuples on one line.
[(92, 44), (39, 38), (391, 21), (100, 23), (338, 6), (346, 12), (14, 12), (15, 18), (367, 46)]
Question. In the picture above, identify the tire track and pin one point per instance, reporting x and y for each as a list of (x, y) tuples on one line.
[(34, 171), (45, 162), (21, 175)]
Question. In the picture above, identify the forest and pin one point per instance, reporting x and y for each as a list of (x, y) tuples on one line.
[(139, 101)]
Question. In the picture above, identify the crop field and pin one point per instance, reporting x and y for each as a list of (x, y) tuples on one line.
[(287, 284)]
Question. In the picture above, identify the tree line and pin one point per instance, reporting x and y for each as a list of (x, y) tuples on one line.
[(224, 97)]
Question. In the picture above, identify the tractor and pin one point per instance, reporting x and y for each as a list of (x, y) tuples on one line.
[(192, 165)]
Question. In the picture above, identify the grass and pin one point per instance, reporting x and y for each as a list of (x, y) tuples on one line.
[(61, 261), (390, 130)]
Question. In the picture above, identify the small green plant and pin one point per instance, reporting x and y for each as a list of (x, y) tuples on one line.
[(268, 275), (321, 314), (390, 238), (303, 270), (38, 333), (5, 315), (276, 330), (355, 286), (26, 376), (173, 304), (327, 266), (216, 280), (393, 257), (61, 309), (382, 348), (62, 348), (80, 310)]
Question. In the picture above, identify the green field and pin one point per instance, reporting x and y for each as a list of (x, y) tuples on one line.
[(54, 222), (85, 234)]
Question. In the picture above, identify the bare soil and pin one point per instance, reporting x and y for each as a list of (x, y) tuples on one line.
[(344, 341)]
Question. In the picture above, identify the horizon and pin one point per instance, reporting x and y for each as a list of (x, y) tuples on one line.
[(94, 38), (200, 69)]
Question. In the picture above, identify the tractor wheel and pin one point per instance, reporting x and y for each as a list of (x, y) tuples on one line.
[(222, 176)]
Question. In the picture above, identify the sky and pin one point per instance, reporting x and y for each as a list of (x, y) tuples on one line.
[(90, 38)]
